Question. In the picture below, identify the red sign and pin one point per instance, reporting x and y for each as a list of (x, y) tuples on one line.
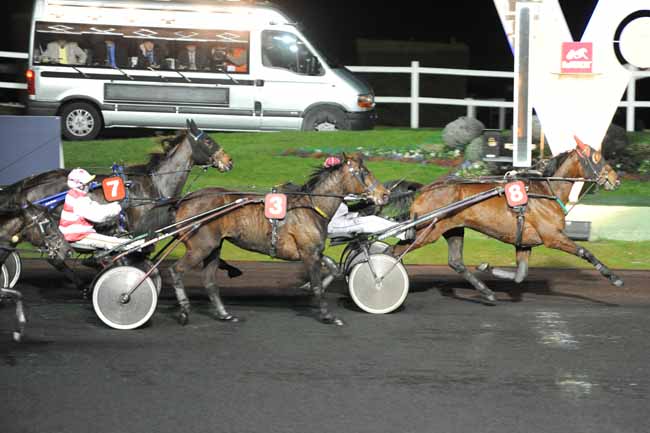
[(516, 194), (577, 57), (113, 188), (275, 206)]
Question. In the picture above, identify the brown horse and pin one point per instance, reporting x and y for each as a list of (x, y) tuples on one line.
[(300, 236), (541, 221)]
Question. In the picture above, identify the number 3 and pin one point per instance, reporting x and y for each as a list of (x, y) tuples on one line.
[(276, 205)]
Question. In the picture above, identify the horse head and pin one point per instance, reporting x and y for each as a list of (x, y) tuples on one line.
[(595, 167), (205, 150), (359, 180), (45, 229)]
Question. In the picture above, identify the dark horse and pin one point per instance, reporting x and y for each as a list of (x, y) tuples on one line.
[(301, 236), (542, 223), (37, 223), (158, 181)]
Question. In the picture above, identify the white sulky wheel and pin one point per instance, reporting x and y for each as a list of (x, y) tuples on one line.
[(381, 292), (109, 301), (357, 256), (155, 276), (4, 277), (14, 268)]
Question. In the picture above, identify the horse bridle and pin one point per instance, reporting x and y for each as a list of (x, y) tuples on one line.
[(594, 167), (53, 243), (201, 154), (359, 175)]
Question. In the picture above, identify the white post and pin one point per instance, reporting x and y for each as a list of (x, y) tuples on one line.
[(471, 108), (631, 98), (502, 118), (415, 94)]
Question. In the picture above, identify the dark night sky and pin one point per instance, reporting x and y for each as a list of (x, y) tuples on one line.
[(335, 24)]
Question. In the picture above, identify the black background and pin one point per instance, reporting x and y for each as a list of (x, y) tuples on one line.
[(333, 25)]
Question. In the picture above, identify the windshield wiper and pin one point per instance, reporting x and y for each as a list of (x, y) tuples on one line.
[(159, 74), (83, 74), (223, 71), (183, 75)]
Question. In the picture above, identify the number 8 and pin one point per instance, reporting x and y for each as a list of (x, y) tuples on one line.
[(516, 194)]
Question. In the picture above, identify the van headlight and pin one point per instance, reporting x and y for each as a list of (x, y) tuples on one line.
[(366, 101)]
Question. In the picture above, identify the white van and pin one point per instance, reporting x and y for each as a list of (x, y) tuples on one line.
[(229, 65)]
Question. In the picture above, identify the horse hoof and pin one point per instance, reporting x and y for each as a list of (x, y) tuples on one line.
[(332, 320), (618, 282), (234, 273), (183, 318), (228, 318), (490, 300), (483, 267)]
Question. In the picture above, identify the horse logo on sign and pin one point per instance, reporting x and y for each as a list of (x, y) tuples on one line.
[(577, 57)]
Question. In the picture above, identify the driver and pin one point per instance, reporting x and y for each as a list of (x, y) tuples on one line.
[(80, 212), (346, 224)]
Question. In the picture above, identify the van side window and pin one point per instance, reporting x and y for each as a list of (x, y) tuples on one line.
[(126, 47), (285, 50)]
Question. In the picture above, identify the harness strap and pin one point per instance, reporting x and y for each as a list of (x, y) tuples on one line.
[(521, 220), (321, 212), (274, 239)]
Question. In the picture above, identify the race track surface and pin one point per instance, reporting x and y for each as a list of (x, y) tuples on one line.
[(565, 353)]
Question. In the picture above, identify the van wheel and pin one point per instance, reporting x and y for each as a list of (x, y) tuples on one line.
[(80, 121), (326, 119)]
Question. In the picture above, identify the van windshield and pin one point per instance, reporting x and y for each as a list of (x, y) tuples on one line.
[(285, 50)]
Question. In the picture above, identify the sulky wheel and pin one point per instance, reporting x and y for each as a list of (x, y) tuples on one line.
[(115, 307), (14, 268), (4, 277), (357, 256), (380, 285), (155, 276)]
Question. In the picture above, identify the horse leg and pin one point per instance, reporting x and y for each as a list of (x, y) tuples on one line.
[(563, 243), (313, 264), (188, 261), (209, 276), (20, 312), (455, 239), (233, 272), (71, 276), (523, 254), (333, 272)]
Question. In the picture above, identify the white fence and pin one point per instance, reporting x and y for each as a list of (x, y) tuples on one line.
[(415, 70), (630, 102)]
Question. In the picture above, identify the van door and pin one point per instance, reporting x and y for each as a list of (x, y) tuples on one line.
[(294, 79)]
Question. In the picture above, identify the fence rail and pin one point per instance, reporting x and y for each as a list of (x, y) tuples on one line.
[(415, 70)]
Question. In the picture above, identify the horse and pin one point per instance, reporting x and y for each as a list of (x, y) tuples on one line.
[(155, 186), (541, 222), (38, 223), (301, 236)]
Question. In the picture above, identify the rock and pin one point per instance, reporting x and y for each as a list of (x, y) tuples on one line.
[(462, 131), (474, 150), (615, 142)]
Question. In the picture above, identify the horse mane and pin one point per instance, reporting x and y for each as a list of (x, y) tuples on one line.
[(168, 144), (316, 176), (548, 167)]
